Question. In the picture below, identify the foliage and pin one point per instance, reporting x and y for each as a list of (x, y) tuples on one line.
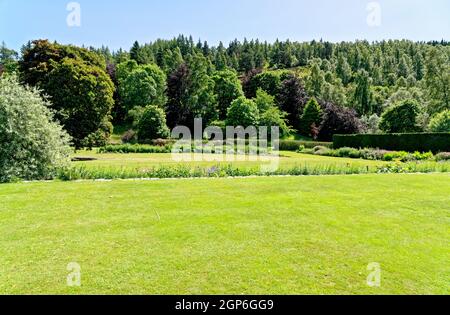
[(338, 120), (294, 145), (142, 85), (273, 117), (362, 97), (227, 88), (8, 60), (82, 96), (243, 112), (100, 137), (269, 81), (410, 142), (371, 124), (437, 78), (441, 122), (443, 156), (401, 118), (32, 146), (316, 80), (312, 116), (129, 136), (372, 154), (40, 57), (135, 148), (152, 125), (191, 95), (81, 92), (292, 99)]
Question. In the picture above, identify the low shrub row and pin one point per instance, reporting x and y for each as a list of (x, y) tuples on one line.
[(294, 145), (376, 154), (223, 171), (219, 148), (409, 142), (135, 148)]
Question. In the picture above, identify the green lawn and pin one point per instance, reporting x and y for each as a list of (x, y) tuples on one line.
[(228, 236), (143, 161)]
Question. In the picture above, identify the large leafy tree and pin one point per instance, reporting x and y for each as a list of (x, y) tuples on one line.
[(362, 96), (8, 59), (316, 80), (32, 145), (292, 99), (82, 96), (141, 85), (270, 114), (190, 91), (343, 69), (76, 81), (243, 112), (338, 120), (269, 81), (227, 88), (401, 117), (441, 122), (437, 79)]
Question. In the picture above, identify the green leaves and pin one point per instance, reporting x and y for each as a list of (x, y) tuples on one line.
[(243, 112), (32, 146), (441, 122), (401, 118), (152, 125)]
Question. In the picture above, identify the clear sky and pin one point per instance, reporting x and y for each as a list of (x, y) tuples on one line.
[(118, 23)]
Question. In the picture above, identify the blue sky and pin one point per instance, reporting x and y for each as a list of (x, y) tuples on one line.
[(119, 23)]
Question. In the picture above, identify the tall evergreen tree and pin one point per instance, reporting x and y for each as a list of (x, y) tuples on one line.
[(362, 96)]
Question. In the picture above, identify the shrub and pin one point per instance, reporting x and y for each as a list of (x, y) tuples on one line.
[(152, 125), (243, 112), (312, 115), (100, 137), (441, 122), (129, 136), (294, 145), (443, 156), (370, 154), (32, 146), (135, 148), (410, 142), (338, 120), (401, 118), (370, 124)]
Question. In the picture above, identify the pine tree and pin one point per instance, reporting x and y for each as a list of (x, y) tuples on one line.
[(362, 96), (312, 116), (134, 52), (315, 82)]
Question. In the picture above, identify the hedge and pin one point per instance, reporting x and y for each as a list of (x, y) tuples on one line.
[(410, 142), (294, 145), (135, 148)]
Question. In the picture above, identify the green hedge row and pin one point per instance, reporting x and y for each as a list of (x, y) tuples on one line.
[(134, 148), (294, 145), (410, 142)]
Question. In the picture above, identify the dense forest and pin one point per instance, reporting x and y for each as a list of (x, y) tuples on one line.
[(314, 89)]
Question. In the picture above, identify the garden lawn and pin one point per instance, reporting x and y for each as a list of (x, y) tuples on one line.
[(290, 235), (145, 161)]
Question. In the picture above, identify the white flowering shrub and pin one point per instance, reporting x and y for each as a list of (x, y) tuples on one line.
[(32, 145)]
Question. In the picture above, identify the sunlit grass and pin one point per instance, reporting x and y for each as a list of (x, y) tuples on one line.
[(296, 235)]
